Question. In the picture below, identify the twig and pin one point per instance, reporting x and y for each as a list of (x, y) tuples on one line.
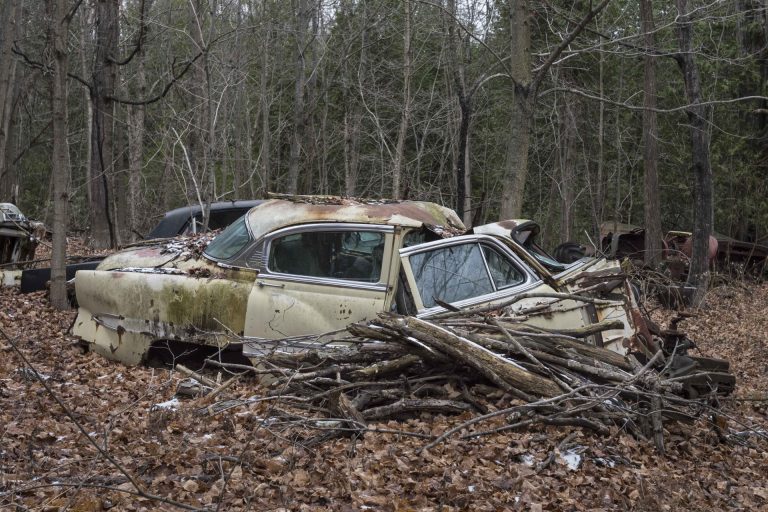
[(139, 490)]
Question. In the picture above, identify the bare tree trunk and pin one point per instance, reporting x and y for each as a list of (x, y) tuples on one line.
[(653, 233), (59, 29), (352, 123), (10, 24), (103, 226), (516, 167), (526, 86), (698, 273), (353, 116), (136, 150), (598, 201), (264, 163), (299, 116), (86, 16), (397, 167), (457, 70), (240, 111), (463, 175), (567, 174)]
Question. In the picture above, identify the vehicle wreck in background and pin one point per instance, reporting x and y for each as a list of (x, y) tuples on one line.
[(726, 254), (19, 238), (181, 221), (317, 264)]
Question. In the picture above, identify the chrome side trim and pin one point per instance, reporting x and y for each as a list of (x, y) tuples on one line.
[(482, 299), (337, 283)]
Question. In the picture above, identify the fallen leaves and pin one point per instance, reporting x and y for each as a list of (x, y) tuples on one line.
[(248, 460)]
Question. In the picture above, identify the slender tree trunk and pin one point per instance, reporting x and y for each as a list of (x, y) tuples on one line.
[(698, 273), (352, 123), (397, 167), (60, 159), (312, 137), (86, 15), (516, 167), (457, 71), (299, 116), (598, 202), (353, 116), (653, 233), (265, 168), (136, 150), (463, 176), (103, 226), (567, 174), (240, 112), (10, 21)]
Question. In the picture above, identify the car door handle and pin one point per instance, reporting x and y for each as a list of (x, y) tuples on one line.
[(262, 284)]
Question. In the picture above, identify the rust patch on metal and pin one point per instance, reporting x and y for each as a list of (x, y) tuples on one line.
[(642, 341), (509, 224), (279, 213)]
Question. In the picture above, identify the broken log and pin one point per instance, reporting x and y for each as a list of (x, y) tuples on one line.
[(412, 406), (385, 367), (499, 370)]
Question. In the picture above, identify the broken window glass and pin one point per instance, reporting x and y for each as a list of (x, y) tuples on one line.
[(451, 274)]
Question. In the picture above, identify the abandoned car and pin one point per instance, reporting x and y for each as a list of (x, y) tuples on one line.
[(181, 221), (313, 265), (19, 238)]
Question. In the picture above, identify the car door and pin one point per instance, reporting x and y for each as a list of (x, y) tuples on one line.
[(476, 270), (319, 278)]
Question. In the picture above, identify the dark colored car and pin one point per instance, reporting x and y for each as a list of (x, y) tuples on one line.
[(181, 221)]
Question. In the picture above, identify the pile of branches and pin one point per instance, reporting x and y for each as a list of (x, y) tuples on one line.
[(398, 366)]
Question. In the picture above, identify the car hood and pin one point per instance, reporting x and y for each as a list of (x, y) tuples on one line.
[(181, 253)]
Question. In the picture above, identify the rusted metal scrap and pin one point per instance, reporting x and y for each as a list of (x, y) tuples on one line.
[(620, 240), (19, 238)]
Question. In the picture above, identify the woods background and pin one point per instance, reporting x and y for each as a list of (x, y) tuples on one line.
[(566, 112)]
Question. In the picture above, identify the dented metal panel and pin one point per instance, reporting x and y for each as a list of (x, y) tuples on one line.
[(172, 292), (10, 277), (278, 213), (121, 313)]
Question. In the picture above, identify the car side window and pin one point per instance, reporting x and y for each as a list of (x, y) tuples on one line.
[(450, 274), (460, 272), (347, 255), (503, 272)]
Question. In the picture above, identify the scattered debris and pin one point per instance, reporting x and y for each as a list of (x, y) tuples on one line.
[(251, 453), (730, 256), (401, 366)]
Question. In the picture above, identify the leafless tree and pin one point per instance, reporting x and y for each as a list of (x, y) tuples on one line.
[(698, 273), (652, 207), (60, 16), (103, 82), (9, 27)]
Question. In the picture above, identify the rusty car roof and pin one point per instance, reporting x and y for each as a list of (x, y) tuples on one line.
[(278, 213)]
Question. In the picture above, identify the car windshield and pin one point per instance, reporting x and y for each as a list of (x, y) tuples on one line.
[(526, 239), (230, 242)]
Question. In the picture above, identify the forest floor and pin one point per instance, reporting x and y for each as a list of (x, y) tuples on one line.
[(235, 460)]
